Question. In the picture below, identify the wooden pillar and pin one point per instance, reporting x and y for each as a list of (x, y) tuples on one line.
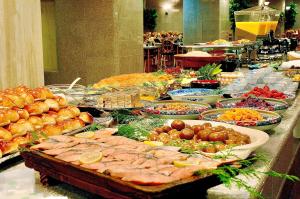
[(21, 54), (97, 39)]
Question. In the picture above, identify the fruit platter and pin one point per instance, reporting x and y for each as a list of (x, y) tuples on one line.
[(266, 92), (208, 138), (209, 96), (170, 109), (252, 118), (254, 102)]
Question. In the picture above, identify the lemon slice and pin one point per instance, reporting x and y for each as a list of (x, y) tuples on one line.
[(86, 134), (178, 163), (0, 154), (90, 157), (154, 143)]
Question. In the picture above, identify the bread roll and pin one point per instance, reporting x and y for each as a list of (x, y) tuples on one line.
[(3, 119), (28, 98), (75, 110), (42, 93), (65, 114), (37, 108), (50, 130), (20, 140), (53, 104), (86, 117), (5, 134), (70, 125), (36, 122), (17, 100), (11, 115), (23, 114), (48, 93), (48, 119), (6, 102), (8, 147), (20, 128), (37, 95), (61, 101), (53, 114)]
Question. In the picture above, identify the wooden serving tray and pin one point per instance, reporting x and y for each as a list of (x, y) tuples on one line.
[(106, 186)]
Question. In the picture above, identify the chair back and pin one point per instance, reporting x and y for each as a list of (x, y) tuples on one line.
[(167, 47)]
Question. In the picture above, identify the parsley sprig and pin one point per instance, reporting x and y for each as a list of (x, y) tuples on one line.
[(228, 174)]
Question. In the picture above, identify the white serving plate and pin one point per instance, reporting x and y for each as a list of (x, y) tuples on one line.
[(257, 137), (195, 95)]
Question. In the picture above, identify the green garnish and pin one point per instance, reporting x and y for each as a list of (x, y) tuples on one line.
[(35, 136), (209, 71), (95, 127), (124, 116), (139, 129), (227, 174)]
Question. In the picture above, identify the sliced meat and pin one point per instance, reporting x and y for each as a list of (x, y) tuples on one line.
[(56, 151), (159, 153), (53, 145), (139, 161), (143, 148), (116, 164), (87, 146), (125, 146), (185, 172), (108, 151), (170, 160), (94, 166), (146, 178), (62, 138), (126, 156), (120, 172), (77, 162), (150, 163), (167, 170), (69, 156), (105, 133)]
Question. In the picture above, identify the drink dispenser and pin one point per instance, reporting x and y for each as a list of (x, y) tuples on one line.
[(255, 22)]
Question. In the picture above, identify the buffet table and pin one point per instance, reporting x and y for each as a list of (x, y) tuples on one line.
[(184, 61), (281, 149)]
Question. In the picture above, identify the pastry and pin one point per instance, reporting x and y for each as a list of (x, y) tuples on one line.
[(70, 125), (3, 119), (11, 115), (21, 140), (23, 114), (17, 100), (65, 114), (5, 134), (6, 102), (37, 108), (53, 104), (8, 147), (86, 117), (50, 130), (36, 122), (48, 119), (20, 128), (61, 101)]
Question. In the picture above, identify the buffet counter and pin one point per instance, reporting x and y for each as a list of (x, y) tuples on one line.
[(282, 148)]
